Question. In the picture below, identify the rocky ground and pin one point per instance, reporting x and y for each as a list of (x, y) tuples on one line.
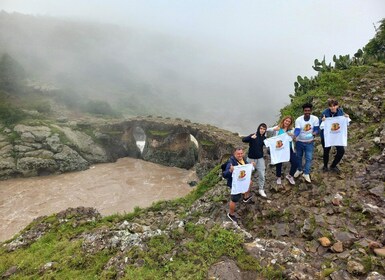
[(333, 228)]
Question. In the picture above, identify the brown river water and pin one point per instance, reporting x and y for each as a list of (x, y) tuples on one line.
[(109, 187)]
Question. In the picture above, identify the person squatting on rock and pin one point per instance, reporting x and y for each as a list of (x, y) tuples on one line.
[(332, 111), (236, 159), (255, 154), (286, 126), (306, 128)]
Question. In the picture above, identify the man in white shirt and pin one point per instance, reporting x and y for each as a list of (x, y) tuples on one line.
[(306, 127)]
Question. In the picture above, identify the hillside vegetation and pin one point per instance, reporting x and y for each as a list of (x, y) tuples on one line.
[(330, 229)]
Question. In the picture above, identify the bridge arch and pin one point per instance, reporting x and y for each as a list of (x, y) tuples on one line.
[(170, 142)]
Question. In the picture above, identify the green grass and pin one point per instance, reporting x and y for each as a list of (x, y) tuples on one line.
[(159, 133), (331, 84), (186, 254), (206, 143), (167, 259)]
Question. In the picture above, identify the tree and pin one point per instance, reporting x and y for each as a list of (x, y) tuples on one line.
[(376, 46), (11, 74)]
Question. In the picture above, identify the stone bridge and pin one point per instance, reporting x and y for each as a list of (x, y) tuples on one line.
[(171, 142), (42, 148)]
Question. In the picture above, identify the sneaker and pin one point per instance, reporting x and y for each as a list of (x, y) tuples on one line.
[(325, 169), (279, 181), (262, 193), (232, 218), (335, 170), (307, 177), (297, 173), (291, 179), (246, 200)]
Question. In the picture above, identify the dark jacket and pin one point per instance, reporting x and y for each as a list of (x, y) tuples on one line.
[(227, 174), (328, 114), (255, 145)]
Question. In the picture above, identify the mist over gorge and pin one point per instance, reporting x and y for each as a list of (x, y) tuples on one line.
[(141, 72)]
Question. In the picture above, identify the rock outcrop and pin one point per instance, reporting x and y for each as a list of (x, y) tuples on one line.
[(40, 148)]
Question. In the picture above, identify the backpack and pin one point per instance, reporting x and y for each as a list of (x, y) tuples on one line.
[(223, 165)]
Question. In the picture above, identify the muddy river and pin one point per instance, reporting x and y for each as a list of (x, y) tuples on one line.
[(110, 188)]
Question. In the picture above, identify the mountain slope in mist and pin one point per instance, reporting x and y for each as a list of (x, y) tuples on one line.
[(144, 72), (133, 70)]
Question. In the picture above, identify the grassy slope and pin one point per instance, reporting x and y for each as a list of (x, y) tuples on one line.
[(197, 247)]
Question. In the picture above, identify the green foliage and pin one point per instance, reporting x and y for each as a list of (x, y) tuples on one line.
[(10, 115), (328, 84), (42, 106), (376, 46), (70, 262), (209, 181), (303, 85), (162, 133), (343, 62), (322, 66), (332, 83), (206, 143), (98, 107), (11, 74), (193, 258)]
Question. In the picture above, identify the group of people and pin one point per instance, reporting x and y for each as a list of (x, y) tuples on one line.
[(292, 142)]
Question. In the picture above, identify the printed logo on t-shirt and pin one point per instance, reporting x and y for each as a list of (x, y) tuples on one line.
[(307, 127), (242, 175), (335, 127), (279, 145)]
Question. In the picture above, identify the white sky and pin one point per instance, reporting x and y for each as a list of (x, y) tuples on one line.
[(313, 27), (289, 34)]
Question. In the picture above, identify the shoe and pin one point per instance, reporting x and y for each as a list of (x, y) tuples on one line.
[(262, 193), (291, 179), (335, 170), (307, 177), (232, 218), (297, 173), (325, 169), (246, 200), (279, 181)]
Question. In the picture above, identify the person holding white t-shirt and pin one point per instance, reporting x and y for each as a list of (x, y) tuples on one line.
[(306, 128), (236, 159), (286, 126), (331, 112)]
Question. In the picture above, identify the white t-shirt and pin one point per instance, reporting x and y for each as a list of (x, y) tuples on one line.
[(306, 128), (336, 131), (279, 148), (241, 178)]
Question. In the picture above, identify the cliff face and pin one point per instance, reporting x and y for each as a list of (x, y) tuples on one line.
[(332, 228), (42, 147)]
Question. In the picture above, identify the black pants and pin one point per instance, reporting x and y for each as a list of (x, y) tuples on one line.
[(340, 153)]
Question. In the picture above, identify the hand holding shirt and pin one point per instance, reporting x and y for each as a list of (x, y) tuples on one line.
[(241, 178), (279, 148), (336, 131)]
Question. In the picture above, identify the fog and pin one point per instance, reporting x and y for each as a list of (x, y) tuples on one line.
[(227, 63)]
